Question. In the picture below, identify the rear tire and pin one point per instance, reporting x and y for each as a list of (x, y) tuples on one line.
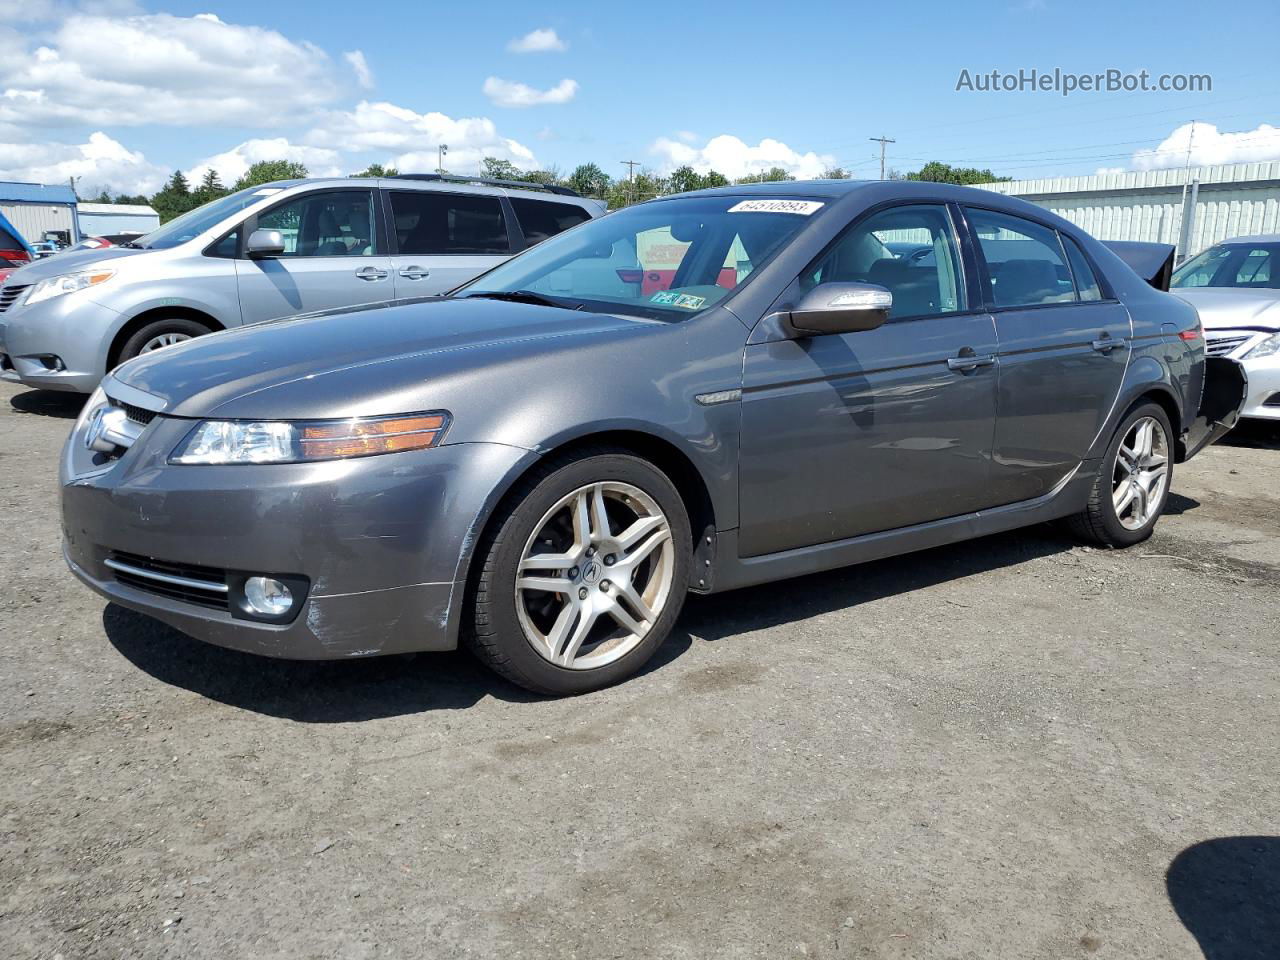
[(1133, 481), (582, 574), (159, 334)]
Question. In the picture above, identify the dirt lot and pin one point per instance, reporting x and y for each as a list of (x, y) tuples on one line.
[(1016, 748)]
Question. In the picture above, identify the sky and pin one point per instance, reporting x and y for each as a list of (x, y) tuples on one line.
[(120, 93)]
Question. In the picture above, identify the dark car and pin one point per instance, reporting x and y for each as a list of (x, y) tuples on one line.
[(543, 464)]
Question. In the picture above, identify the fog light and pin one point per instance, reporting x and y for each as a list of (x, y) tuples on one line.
[(268, 597)]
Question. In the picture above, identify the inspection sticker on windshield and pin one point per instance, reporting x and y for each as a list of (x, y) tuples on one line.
[(685, 300), (802, 207)]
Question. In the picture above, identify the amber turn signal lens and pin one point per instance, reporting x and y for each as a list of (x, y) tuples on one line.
[(357, 438)]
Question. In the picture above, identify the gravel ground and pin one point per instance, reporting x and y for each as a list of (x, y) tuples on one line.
[(1016, 747)]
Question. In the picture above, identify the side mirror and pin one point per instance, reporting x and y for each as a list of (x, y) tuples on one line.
[(265, 243), (840, 308)]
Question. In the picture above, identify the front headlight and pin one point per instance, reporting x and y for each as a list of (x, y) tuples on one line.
[(67, 283), (284, 441), (1267, 348)]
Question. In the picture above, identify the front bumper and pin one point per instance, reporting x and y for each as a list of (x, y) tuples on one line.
[(1263, 401), (60, 344), (382, 541)]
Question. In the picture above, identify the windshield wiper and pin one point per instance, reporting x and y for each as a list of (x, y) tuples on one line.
[(520, 296)]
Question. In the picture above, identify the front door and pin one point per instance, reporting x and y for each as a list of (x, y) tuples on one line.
[(333, 257), (1063, 351), (444, 239), (855, 433)]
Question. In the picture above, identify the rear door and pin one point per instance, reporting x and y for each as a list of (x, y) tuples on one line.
[(333, 256), (849, 434), (1064, 346), (444, 239)]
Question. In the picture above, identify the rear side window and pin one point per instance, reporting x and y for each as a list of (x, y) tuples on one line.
[(540, 219), (1087, 289), (431, 222), (1024, 261)]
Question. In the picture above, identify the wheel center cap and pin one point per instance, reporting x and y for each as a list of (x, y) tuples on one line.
[(591, 572)]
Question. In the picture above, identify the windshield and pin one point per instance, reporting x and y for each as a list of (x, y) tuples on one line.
[(666, 259), (195, 222), (1249, 265)]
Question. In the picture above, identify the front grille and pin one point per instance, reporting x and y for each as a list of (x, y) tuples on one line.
[(205, 586), (1221, 346), (136, 414), (10, 293)]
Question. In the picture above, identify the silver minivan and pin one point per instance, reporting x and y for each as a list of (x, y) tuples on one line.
[(266, 252)]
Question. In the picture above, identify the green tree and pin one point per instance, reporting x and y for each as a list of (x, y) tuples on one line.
[(551, 176), (936, 172), (835, 173), (210, 188), (267, 171), (491, 168), (377, 170), (589, 180), (134, 198), (714, 178), (772, 175), (174, 198), (644, 186), (103, 197), (683, 179)]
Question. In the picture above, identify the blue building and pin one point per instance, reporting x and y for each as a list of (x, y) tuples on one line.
[(37, 208)]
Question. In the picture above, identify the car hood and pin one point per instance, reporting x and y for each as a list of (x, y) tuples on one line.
[(70, 261), (364, 362), (1222, 308)]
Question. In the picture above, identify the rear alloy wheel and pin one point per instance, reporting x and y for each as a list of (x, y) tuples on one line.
[(585, 577), (160, 334), (1131, 488)]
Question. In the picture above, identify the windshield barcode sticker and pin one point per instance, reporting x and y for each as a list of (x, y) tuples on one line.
[(802, 207)]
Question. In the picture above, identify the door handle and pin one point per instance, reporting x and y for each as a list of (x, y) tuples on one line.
[(414, 273), (371, 273), (969, 362), (1106, 344)]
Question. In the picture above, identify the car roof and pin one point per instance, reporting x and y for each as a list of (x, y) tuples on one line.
[(460, 185), (1256, 238), (783, 188)]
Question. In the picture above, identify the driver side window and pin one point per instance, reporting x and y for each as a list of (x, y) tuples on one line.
[(337, 223), (908, 250)]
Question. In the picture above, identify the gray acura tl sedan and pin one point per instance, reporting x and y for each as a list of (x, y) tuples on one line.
[(699, 393)]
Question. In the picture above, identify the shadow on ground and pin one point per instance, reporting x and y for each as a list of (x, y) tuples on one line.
[(1226, 892), (49, 403), (1255, 434), (349, 690)]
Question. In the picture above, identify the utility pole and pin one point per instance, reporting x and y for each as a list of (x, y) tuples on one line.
[(883, 141), (1184, 228), (441, 150), (631, 178)]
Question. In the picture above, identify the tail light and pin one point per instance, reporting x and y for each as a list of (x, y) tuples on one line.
[(1196, 333), (14, 257), (631, 276)]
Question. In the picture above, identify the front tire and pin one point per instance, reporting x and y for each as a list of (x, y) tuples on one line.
[(1132, 485), (159, 334), (583, 575)]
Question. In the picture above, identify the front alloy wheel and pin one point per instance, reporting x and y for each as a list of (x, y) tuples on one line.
[(581, 573), (595, 575)]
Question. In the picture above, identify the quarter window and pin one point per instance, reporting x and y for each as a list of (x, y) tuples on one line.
[(540, 219), (1024, 261), (908, 250), (1087, 289), (338, 223), (432, 222)]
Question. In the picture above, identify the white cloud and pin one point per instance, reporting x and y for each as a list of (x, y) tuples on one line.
[(232, 164), (364, 76), (734, 158), (409, 139), (508, 93), (1210, 146), (97, 163), (686, 136), (544, 40), (162, 69)]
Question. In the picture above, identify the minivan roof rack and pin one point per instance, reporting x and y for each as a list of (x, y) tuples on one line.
[(513, 184)]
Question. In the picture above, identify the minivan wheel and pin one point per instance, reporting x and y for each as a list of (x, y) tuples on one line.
[(1132, 485), (159, 334), (583, 576)]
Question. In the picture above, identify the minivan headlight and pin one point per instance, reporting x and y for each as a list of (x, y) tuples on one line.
[(67, 283), (293, 441), (1267, 348)]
